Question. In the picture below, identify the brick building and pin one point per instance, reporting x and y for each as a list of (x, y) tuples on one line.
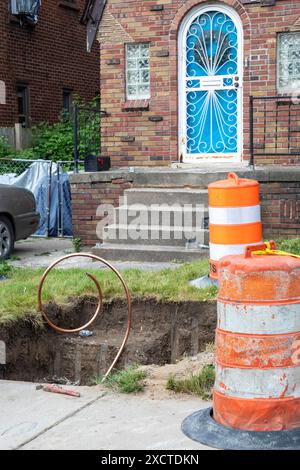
[(186, 85), (44, 60), (176, 80)]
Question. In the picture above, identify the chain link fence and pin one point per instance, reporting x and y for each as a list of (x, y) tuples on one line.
[(14, 167)]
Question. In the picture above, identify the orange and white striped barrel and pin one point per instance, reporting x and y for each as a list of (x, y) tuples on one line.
[(257, 384), (234, 218)]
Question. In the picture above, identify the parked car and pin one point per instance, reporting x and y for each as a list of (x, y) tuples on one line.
[(18, 217)]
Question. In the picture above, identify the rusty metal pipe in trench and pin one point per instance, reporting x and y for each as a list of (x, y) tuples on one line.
[(99, 306)]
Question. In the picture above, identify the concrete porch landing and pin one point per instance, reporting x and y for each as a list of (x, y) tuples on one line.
[(185, 175)]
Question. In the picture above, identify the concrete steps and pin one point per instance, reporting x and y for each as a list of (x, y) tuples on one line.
[(156, 235), (158, 225), (156, 214), (148, 196)]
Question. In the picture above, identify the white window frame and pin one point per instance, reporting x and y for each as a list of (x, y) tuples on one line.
[(138, 96), (290, 88)]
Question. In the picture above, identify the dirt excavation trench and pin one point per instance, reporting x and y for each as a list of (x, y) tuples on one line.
[(161, 334)]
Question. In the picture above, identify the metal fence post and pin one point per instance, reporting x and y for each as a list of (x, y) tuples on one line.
[(251, 134), (49, 201), (76, 139)]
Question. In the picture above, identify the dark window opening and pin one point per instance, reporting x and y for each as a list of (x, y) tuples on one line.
[(67, 100), (23, 105), (71, 4)]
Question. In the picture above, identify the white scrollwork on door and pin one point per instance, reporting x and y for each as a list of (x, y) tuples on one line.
[(212, 81)]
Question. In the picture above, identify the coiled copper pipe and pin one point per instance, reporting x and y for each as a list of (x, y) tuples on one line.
[(97, 312)]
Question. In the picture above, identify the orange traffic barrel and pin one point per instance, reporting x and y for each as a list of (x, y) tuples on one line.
[(256, 397), (257, 378), (234, 218)]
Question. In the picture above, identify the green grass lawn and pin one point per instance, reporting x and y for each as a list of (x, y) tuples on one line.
[(18, 294)]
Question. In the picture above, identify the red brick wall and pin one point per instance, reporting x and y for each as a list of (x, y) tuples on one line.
[(129, 137), (87, 197), (50, 56), (281, 209), (280, 200)]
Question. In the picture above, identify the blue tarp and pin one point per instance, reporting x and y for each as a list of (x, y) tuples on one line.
[(61, 210), (54, 206)]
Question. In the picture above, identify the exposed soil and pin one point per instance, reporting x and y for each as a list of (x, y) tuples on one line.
[(162, 333), (157, 376)]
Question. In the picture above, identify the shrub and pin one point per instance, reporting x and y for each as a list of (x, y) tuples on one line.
[(55, 142), (5, 149), (291, 246), (52, 142)]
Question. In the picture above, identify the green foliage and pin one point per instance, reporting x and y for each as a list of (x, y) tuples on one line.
[(52, 142), (5, 148), (291, 246), (55, 142), (125, 381), (77, 244), (200, 384), (5, 269)]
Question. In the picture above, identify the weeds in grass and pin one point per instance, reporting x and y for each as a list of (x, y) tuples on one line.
[(125, 381), (15, 258), (77, 245), (5, 269), (44, 253), (200, 384), (291, 246)]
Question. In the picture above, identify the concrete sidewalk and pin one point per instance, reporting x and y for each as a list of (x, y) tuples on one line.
[(41, 252), (98, 420)]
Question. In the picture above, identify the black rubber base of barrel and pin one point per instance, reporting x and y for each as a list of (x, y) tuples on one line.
[(201, 427)]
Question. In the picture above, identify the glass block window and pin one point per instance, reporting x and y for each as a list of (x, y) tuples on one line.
[(137, 71), (288, 63)]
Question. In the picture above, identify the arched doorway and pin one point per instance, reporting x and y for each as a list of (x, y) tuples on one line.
[(210, 85)]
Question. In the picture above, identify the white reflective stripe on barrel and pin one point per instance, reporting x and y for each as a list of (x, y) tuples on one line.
[(234, 215), (218, 251), (258, 383), (259, 319)]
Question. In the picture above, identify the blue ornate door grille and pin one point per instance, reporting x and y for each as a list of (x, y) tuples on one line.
[(212, 86)]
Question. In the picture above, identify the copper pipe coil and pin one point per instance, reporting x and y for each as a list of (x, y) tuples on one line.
[(97, 312)]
